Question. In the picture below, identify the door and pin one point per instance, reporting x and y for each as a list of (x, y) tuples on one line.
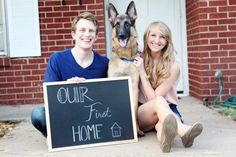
[(172, 12)]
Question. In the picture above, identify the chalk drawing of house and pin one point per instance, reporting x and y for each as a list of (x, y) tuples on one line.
[(116, 130)]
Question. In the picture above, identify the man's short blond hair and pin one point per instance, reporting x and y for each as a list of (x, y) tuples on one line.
[(87, 16)]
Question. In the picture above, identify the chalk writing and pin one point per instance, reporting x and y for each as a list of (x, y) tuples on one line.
[(85, 133), (98, 114), (74, 95)]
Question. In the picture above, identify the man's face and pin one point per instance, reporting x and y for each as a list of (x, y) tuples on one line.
[(85, 34)]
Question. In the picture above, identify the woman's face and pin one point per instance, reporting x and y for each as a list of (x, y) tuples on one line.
[(156, 40)]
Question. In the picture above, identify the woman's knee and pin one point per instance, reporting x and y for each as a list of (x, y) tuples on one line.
[(160, 101)]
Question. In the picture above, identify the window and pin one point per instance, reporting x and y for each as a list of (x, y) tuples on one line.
[(2, 29), (19, 28)]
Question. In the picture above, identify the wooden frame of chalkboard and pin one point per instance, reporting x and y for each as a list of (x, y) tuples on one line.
[(95, 112)]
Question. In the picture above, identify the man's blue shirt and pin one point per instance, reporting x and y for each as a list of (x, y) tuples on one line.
[(62, 66)]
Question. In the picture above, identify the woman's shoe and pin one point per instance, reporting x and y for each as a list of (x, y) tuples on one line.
[(169, 131), (191, 134)]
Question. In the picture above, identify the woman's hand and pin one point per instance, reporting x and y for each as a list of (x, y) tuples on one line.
[(76, 79), (138, 62)]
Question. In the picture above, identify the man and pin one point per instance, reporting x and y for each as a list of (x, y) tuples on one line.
[(76, 64)]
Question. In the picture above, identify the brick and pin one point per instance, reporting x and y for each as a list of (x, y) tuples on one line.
[(61, 8), (31, 78), (14, 79), (38, 72), (3, 91), (6, 73), (37, 83), (232, 27), (232, 78), (232, 66), (38, 95), (76, 8), (219, 54), (36, 61), (227, 8), (45, 9), (227, 21), (19, 61), (232, 2), (70, 14), (208, 10), (63, 31), (217, 28), (228, 47), (22, 84), (232, 53), (61, 20), (14, 90), (232, 14), (24, 96), (56, 25), (15, 67), (206, 48), (47, 20), (219, 66), (207, 22), (228, 60), (52, 3), (218, 15), (207, 35), (32, 90), (227, 34), (218, 41), (64, 42), (55, 37), (30, 66), (7, 97), (218, 3)]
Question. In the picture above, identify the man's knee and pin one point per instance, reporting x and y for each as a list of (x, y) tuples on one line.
[(37, 115)]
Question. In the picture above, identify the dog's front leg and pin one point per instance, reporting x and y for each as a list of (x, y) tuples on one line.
[(135, 83)]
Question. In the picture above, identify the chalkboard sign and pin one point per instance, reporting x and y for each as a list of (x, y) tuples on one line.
[(92, 113)]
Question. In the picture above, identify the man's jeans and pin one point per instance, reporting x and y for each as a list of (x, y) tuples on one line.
[(38, 119)]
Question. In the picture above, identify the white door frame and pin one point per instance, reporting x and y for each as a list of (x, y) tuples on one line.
[(183, 37)]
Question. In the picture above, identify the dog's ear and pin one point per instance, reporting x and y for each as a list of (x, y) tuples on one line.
[(131, 12), (112, 13)]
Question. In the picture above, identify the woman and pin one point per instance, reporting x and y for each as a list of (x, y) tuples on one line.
[(159, 75)]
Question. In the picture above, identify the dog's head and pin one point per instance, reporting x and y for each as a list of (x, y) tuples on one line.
[(123, 25)]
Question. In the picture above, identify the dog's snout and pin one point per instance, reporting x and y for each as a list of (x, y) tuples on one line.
[(122, 36)]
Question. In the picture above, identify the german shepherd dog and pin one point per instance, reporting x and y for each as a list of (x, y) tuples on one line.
[(125, 48)]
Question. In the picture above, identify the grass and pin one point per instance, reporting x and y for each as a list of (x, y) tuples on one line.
[(230, 112)]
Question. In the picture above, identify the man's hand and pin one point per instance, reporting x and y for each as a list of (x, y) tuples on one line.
[(76, 79)]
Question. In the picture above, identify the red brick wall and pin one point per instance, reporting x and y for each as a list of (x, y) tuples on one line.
[(211, 36), (21, 78)]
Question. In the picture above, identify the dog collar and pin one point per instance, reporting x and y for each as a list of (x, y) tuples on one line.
[(127, 59)]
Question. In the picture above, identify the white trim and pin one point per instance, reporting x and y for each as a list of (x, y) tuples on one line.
[(4, 29), (184, 48), (23, 30), (107, 30)]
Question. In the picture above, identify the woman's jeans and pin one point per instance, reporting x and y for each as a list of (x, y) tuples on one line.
[(38, 120)]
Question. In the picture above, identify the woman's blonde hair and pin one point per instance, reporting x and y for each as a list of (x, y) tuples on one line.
[(166, 57)]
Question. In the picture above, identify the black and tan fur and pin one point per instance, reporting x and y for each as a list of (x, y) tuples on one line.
[(124, 43)]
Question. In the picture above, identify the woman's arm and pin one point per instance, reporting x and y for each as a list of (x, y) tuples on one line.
[(148, 92), (169, 83), (145, 86)]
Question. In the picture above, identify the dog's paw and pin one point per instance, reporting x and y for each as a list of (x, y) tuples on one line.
[(141, 133)]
